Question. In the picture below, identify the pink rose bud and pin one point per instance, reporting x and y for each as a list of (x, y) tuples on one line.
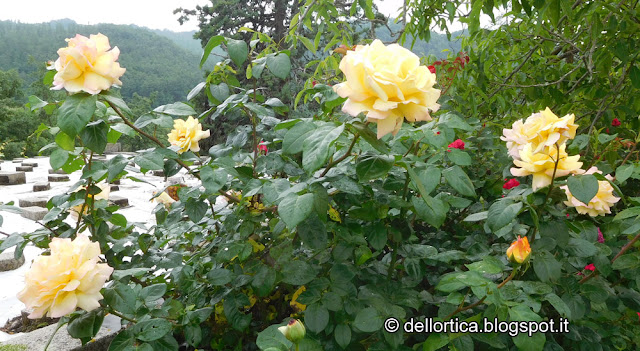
[(600, 237)]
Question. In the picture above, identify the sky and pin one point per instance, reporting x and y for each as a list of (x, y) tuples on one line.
[(154, 14)]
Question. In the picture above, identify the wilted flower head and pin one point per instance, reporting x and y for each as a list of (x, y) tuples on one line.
[(70, 277), (294, 331), (519, 250), (87, 64), (541, 164), (600, 204), (187, 134), (389, 84)]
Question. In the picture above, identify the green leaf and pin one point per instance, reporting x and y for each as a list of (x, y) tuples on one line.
[(279, 65), (211, 44), (313, 233), (65, 141), (459, 180), (153, 292), (476, 217), (373, 166), (547, 268), (152, 329), (624, 172), (124, 341), (175, 109), (115, 100), (429, 177), (625, 262), (86, 325), (581, 248), (459, 157), (151, 160), (219, 276), (502, 212), (213, 180), (238, 51), (298, 273), (272, 339), (264, 280), (196, 90), (315, 149), (559, 305), (121, 297), (342, 334), (431, 210), (76, 112), (370, 137), (294, 209), (488, 265), (295, 137), (94, 136), (58, 158), (219, 91), (634, 74), (435, 342), (457, 280), (368, 320), (316, 318), (583, 187)]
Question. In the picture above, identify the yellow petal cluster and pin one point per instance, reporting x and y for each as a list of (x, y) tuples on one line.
[(542, 129), (87, 64), (68, 278), (186, 134), (389, 84), (541, 164), (102, 195), (601, 204), (519, 250)]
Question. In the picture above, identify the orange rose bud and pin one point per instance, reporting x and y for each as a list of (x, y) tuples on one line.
[(519, 250)]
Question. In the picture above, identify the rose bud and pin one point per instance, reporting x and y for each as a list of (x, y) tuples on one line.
[(294, 331), (519, 250)]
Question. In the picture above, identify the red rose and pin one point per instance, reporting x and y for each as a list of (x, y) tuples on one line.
[(615, 122), (262, 148), (590, 267), (313, 84), (458, 144), (511, 183), (432, 69)]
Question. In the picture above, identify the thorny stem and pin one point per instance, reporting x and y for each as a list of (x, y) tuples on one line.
[(622, 251), (461, 308), (341, 158)]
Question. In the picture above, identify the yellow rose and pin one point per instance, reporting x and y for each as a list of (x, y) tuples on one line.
[(601, 204), (164, 199), (186, 134), (88, 65), (541, 164), (519, 250), (389, 84), (542, 129), (102, 195), (70, 277)]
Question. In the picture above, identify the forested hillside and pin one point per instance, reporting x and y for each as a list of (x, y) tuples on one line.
[(154, 63)]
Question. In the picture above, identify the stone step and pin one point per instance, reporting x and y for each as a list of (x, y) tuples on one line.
[(18, 160), (115, 181), (62, 341), (119, 200), (33, 202), (158, 173), (57, 171), (30, 164), (114, 187), (34, 213), (8, 262), (58, 178), (24, 169), (12, 178), (41, 187)]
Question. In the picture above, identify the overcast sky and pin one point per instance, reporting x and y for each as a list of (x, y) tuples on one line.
[(155, 14)]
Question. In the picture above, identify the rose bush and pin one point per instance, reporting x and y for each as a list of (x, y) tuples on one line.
[(313, 244)]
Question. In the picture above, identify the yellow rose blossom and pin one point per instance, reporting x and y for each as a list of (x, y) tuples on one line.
[(164, 199), (186, 134), (70, 277), (389, 84), (542, 129), (519, 250), (541, 164), (102, 195), (87, 64), (601, 204)]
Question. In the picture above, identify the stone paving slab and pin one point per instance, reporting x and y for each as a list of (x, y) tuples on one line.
[(33, 202), (12, 178), (41, 187), (58, 178), (62, 341), (30, 164), (119, 200), (24, 169), (34, 213), (57, 171), (8, 262)]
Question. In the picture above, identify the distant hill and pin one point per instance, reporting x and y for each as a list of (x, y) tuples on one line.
[(154, 62), (436, 45)]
